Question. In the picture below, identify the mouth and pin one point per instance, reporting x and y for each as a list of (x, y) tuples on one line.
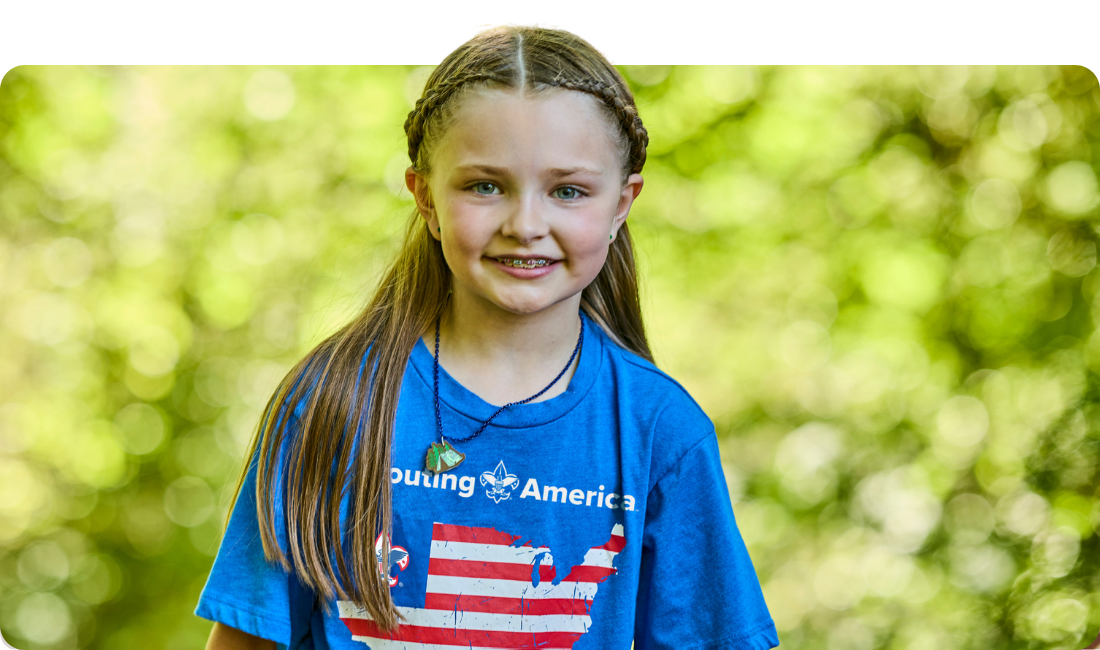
[(525, 262)]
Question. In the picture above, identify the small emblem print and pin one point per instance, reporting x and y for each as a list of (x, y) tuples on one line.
[(499, 483), (398, 556)]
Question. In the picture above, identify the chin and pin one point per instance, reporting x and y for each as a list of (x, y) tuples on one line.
[(524, 305), (523, 308)]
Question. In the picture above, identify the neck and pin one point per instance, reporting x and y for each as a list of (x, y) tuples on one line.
[(504, 357)]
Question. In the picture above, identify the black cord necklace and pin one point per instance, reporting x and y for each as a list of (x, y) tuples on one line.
[(442, 456)]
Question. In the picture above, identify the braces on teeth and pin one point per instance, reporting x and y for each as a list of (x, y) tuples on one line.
[(523, 263)]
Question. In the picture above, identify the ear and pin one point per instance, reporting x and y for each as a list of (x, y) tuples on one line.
[(631, 189), (418, 185)]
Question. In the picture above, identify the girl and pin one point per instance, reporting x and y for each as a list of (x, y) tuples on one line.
[(487, 457)]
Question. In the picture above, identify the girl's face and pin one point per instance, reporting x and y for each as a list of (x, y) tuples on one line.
[(524, 194)]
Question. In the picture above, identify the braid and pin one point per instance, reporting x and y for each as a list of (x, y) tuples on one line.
[(625, 111), (627, 114), (432, 99)]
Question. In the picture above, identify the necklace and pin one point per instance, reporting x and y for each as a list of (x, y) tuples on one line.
[(442, 456)]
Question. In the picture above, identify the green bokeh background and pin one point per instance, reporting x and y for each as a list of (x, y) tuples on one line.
[(879, 282)]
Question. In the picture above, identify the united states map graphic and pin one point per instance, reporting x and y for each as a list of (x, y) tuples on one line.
[(484, 592)]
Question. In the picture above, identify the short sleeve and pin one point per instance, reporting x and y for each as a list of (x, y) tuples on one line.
[(697, 586), (247, 592)]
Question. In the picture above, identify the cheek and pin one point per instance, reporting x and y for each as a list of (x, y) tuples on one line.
[(462, 255), (464, 236), (588, 244)]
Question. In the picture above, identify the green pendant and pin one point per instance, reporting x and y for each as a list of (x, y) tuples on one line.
[(442, 458)]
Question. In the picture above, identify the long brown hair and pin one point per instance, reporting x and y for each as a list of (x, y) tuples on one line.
[(346, 389)]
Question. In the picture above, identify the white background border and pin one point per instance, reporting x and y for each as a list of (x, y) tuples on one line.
[(639, 33), (677, 32)]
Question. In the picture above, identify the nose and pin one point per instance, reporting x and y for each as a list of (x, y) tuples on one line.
[(526, 220)]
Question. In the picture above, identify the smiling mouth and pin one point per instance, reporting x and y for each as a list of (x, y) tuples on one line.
[(524, 263)]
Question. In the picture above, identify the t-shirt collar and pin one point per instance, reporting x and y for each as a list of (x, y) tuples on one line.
[(457, 397)]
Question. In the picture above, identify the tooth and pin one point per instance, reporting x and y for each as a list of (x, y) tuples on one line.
[(524, 264)]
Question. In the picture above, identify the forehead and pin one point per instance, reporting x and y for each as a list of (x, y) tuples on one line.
[(553, 128)]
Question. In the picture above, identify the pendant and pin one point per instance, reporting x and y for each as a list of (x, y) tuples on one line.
[(442, 458)]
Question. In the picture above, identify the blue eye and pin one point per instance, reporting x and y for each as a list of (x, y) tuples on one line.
[(481, 187), (567, 193)]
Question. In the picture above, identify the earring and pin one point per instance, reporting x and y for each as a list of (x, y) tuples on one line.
[(611, 236)]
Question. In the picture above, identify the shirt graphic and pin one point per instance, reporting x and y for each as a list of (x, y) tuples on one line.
[(483, 591), (499, 483), (399, 558)]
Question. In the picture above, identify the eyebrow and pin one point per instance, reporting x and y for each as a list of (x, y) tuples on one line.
[(557, 172)]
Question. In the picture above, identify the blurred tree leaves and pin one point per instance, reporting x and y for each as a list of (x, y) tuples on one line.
[(879, 282)]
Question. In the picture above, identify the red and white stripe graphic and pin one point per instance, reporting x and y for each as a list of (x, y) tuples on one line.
[(480, 594)]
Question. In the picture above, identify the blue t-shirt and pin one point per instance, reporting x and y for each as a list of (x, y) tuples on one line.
[(589, 520)]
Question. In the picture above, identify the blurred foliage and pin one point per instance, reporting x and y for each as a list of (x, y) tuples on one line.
[(879, 282)]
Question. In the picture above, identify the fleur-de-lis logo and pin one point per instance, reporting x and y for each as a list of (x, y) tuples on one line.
[(499, 483), (398, 556)]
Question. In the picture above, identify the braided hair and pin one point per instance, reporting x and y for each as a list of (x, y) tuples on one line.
[(415, 124), (626, 114), (521, 59)]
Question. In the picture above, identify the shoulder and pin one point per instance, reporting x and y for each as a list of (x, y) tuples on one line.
[(661, 409), (652, 390), (311, 380)]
